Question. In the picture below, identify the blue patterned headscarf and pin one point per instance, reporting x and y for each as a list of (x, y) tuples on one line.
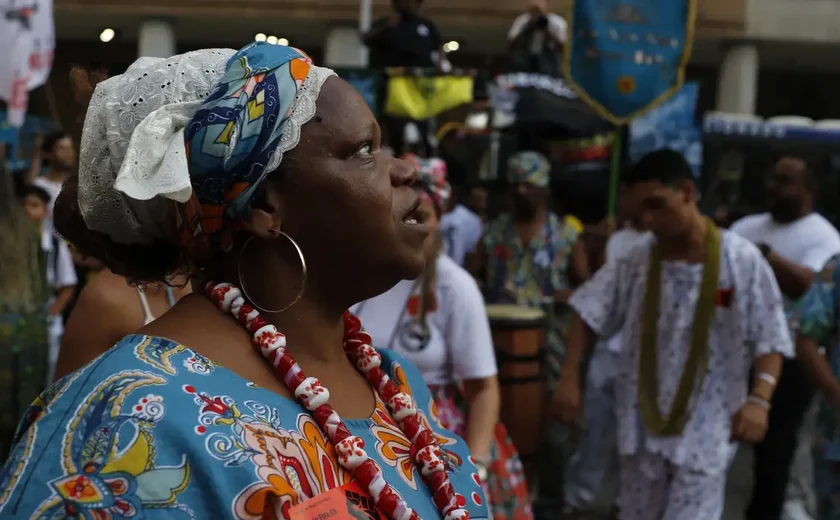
[(239, 135), (530, 168)]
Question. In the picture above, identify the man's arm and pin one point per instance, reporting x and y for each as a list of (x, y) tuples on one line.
[(794, 280), (579, 340), (767, 368), (556, 30), (521, 29), (768, 336), (598, 310), (65, 278)]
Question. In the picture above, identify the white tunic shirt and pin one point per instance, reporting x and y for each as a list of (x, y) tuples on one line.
[(459, 346), (751, 325)]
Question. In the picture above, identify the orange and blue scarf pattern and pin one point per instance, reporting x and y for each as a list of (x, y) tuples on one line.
[(233, 137)]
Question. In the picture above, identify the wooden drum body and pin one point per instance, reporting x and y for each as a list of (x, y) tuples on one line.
[(519, 338)]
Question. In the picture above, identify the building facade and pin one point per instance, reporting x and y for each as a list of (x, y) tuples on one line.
[(770, 57)]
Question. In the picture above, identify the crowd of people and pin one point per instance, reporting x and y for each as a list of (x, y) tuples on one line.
[(236, 300)]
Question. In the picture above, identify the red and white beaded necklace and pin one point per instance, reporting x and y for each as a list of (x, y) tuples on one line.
[(314, 397)]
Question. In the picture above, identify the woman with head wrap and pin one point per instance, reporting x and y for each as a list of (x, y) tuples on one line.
[(438, 322), (260, 175)]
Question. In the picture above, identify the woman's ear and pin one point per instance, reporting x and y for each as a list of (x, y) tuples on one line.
[(265, 218)]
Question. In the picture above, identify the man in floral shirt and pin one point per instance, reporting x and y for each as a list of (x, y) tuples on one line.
[(524, 260)]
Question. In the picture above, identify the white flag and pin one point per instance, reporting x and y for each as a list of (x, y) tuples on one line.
[(27, 42)]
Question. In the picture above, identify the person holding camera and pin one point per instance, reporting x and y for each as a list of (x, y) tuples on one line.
[(536, 40)]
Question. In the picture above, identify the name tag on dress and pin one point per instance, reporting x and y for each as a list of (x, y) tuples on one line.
[(348, 502)]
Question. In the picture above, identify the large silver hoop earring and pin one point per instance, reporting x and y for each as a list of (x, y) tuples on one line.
[(297, 249)]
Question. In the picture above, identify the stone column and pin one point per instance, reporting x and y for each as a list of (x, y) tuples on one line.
[(738, 80), (156, 39)]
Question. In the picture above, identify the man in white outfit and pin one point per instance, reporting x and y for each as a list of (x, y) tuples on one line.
[(697, 308)]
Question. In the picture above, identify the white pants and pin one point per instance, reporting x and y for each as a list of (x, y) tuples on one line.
[(589, 466), (652, 488)]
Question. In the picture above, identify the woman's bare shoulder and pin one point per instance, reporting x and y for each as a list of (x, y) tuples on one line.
[(109, 295)]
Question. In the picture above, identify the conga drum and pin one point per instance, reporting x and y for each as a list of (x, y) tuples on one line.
[(519, 338)]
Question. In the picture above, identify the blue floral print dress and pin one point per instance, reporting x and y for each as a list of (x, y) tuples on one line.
[(154, 430)]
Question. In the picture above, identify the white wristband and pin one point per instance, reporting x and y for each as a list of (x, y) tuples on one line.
[(767, 378), (764, 403)]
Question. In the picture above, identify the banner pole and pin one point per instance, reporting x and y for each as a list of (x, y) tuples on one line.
[(615, 174)]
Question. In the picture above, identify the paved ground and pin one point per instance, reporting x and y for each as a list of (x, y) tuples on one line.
[(738, 486)]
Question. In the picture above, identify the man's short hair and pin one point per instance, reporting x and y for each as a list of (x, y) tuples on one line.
[(666, 166), (807, 172), (25, 190)]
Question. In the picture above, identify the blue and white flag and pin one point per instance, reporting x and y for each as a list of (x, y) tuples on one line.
[(670, 125), (626, 56)]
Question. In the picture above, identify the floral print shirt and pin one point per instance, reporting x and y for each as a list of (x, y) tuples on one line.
[(527, 275), (749, 322), (530, 275), (152, 429)]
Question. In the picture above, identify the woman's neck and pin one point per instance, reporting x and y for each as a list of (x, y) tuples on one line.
[(312, 332)]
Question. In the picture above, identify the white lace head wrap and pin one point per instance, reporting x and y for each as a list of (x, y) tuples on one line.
[(133, 128), (204, 127)]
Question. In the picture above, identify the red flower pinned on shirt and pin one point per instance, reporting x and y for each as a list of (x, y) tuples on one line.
[(724, 297)]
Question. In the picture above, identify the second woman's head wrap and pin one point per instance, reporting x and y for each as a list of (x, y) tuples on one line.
[(431, 175)]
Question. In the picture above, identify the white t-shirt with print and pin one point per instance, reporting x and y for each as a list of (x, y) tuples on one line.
[(459, 347), (749, 323), (461, 230)]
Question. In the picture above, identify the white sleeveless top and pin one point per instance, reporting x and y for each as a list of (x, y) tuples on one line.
[(148, 317)]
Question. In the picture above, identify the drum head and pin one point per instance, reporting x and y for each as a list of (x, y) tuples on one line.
[(514, 316)]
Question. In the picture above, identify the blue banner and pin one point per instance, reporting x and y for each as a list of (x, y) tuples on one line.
[(624, 57), (670, 125)]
